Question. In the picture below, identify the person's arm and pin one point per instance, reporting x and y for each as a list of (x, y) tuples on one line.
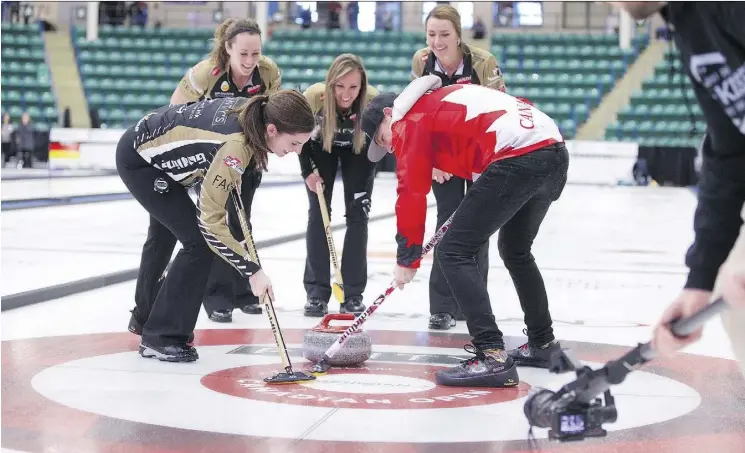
[(223, 176), (193, 85), (306, 167), (640, 10), (716, 221), (492, 77), (417, 63), (414, 164), (274, 83)]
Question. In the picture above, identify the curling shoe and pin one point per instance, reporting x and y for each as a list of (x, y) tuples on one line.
[(221, 316), (170, 353), (441, 321), (533, 355), (135, 326), (253, 308), (316, 307), (489, 368), (353, 305)]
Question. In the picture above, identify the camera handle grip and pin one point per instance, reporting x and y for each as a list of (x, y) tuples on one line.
[(683, 327)]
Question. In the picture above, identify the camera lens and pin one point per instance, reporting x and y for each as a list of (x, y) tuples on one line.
[(538, 408)]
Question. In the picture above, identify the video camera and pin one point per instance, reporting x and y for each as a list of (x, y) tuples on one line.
[(575, 412)]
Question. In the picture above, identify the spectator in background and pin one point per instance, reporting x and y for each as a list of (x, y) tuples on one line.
[(306, 18), (138, 14), (7, 138), (479, 29), (334, 17), (25, 141), (353, 10)]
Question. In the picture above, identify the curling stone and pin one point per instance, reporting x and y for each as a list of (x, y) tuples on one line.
[(355, 350)]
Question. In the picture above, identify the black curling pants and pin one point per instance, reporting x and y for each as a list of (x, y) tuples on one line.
[(358, 176), (512, 196), (175, 306), (448, 196)]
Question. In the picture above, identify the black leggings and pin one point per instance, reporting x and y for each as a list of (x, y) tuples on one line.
[(175, 308)]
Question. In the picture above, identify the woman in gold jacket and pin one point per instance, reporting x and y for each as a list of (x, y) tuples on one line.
[(338, 104)]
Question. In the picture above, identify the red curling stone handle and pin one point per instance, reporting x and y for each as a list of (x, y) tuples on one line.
[(323, 326)]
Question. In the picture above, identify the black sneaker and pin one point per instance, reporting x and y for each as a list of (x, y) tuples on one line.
[(441, 321), (253, 308), (490, 368), (171, 353), (135, 327), (316, 308), (353, 305), (221, 316), (534, 356)]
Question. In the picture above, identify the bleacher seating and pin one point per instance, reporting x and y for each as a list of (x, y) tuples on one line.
[(26, 82), (128, 71), (565, 75), (657, 114)]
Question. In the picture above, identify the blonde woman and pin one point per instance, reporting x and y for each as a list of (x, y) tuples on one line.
[(338, 103), (451, 59)]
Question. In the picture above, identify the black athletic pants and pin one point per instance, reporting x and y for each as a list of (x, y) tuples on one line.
[(175, 307), (512, 196), (358, 176), (449, 196), (226, 288)]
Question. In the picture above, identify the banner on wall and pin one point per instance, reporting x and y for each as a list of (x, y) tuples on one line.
[(591, 162)]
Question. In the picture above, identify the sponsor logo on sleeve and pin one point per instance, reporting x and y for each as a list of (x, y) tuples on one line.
[(223, 184), (234, 163)]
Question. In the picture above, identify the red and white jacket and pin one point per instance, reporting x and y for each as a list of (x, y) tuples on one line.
[(459, 129)]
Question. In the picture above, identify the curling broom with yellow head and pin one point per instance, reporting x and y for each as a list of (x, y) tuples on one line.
[(338, 286), (289, 376)]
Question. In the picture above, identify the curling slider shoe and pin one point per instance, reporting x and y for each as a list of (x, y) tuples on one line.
[(290, 377), (320, 368)]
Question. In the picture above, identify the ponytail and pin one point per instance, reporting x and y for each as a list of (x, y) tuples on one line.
[(288, 110)]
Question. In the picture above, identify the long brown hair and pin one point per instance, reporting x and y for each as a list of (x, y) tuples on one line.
[(288, 110), (226, 33), (449, 13), (342, 65)]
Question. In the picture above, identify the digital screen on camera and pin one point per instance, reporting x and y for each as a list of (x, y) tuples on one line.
[(572, 423)]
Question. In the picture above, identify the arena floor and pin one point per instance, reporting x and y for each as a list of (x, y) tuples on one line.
[(612, 259)]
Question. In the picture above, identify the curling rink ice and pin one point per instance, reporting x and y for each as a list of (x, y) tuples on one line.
[(612, 258)]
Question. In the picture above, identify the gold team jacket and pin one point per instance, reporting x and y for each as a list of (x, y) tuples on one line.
[(202, 143), (207, 81), (480, 67)]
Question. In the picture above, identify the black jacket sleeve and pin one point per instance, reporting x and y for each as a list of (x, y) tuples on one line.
[(717, 218), (306, 167)]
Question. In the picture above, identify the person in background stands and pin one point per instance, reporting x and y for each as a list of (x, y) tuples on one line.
[(25, 142), (7, 138)]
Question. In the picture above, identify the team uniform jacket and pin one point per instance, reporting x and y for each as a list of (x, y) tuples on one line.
[(201, 143), (479, 68), (459, 129), (207, 81), (345, 122)]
